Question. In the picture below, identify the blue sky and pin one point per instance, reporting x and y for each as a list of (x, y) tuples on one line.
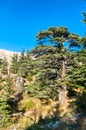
[(21, 20)]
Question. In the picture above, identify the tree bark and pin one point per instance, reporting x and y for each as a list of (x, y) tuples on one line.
[(63, 69), (62, 91)]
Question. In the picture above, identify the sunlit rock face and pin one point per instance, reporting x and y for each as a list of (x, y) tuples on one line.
[(7, 54)]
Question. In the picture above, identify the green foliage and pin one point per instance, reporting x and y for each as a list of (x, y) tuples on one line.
[(6, 91), (4, 110), (48, 73), (27, 104), (4, 66), (37, 90), (83, 41), (43, 89), (58, 36), (45, 64), (23, 70), (8, 86), (4, 113), (78, 73), (43, 50), (29, 77), (15, 64), (24, 60)]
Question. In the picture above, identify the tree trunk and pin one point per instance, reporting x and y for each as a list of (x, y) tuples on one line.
[(63, 69), (62, 99), (62, 91)]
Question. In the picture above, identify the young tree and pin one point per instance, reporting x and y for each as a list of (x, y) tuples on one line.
[(14, 64), (4, 111), (6, 92), (4, 66)]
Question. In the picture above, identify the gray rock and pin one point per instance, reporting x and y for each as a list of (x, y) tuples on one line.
[(19, 84)]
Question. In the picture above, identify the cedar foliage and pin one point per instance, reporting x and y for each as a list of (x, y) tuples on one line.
[(41, 69)]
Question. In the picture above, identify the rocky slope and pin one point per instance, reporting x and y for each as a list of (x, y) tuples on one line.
[(7, 54)]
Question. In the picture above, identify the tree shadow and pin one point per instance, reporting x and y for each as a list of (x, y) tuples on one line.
[(44, 124), (81, 103), (77, 122)]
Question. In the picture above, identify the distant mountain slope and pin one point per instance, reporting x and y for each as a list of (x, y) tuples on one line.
[(7, 54)]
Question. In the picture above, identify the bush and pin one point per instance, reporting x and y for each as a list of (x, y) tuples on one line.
[(26, 104), (29, 77)]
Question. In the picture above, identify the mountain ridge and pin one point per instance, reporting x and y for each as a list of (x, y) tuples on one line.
[(7, 54)]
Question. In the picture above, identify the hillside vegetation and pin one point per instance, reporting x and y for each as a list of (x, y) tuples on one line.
[(45, 88)]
